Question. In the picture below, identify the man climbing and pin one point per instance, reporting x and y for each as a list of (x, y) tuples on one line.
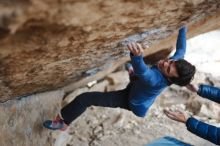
[(140, 93)]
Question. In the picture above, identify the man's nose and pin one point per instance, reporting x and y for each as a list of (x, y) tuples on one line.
[(166, 63)]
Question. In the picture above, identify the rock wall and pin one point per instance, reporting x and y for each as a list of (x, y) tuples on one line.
[(46, 44), (21, 120)]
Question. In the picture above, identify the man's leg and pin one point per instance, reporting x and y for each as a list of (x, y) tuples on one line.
[(75, 108), (105, 99)]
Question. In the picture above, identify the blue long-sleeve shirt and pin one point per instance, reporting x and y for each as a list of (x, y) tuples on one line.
[(151, 81), (201, 129)]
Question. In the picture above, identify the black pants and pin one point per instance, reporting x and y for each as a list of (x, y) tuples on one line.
[(105, 99)]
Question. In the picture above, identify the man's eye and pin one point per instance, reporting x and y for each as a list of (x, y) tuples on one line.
[(168, 70)]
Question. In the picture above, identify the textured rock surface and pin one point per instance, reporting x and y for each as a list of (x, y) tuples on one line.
[(21, 120), (46, 44)]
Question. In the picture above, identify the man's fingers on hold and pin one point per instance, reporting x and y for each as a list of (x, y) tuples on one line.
[(134, 47), (129, 47), (140, 47)]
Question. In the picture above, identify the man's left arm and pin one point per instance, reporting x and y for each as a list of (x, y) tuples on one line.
[(180, 45)]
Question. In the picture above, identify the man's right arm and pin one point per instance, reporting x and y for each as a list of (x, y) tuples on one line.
[(138, 64), (137, 61), (141, 69)]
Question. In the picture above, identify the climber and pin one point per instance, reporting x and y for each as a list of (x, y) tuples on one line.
[(146, 83), (201, 129)]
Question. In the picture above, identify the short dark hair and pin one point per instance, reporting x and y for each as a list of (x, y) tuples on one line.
[(185, 72)]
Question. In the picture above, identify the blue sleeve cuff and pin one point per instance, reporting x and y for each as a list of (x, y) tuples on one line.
[(138, 64), (182, 30), (199, 92), (190, 123), (135, 57), (209, 92)]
